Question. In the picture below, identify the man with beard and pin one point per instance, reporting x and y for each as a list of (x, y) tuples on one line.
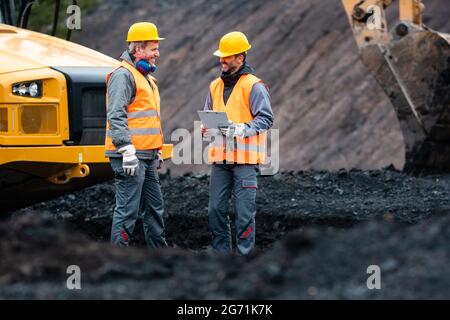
[(237, 152)]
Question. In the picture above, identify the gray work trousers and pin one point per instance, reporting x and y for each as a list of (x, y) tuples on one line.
[(240, 181), (138, 194)]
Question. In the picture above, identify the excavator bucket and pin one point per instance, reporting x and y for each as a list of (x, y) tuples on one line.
[(414, 72), (412, 65)]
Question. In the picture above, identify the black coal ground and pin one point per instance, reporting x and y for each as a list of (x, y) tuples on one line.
[(317, 233)]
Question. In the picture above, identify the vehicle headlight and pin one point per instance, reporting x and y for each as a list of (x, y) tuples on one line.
[(30, 89)]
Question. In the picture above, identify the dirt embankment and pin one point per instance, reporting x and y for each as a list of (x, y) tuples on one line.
[(332, 226)]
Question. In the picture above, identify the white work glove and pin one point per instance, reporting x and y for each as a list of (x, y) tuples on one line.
[(233, 130), (130, 162), (239, 130), (160, 160), (227, 131)]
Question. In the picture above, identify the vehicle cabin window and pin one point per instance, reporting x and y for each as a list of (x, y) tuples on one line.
[(2, 20)]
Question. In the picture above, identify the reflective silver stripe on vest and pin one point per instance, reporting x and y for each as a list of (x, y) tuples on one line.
[(244, 147), (143, 114), (250, 147), (140, 131)]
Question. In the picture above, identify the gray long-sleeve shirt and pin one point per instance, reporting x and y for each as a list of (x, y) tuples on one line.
[(260, 107), (121, 93)]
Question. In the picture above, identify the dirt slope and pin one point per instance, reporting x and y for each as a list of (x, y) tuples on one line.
[(330, 113), (344, 222)]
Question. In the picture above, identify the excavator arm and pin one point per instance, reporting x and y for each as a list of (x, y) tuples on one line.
[(412, 65), (364, 16)]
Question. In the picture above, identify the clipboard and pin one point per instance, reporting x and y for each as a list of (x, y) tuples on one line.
[(213, 119)]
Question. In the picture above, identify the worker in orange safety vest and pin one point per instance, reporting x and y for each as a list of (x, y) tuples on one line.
[(134, 138), (239, 148)]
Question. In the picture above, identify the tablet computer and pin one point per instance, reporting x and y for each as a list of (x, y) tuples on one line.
[(213, 119)]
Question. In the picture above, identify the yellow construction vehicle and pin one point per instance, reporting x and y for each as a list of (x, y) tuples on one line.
[(412, 65), (52, 113)]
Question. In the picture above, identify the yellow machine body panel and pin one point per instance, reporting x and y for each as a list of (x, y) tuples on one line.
[(24, 49), (18, 112), (63, 154)]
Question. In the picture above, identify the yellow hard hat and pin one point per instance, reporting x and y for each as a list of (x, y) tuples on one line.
[(232, 43), (143, 31)]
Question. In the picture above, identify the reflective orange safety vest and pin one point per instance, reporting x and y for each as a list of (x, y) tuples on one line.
[(144, 121), (250, 150)]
